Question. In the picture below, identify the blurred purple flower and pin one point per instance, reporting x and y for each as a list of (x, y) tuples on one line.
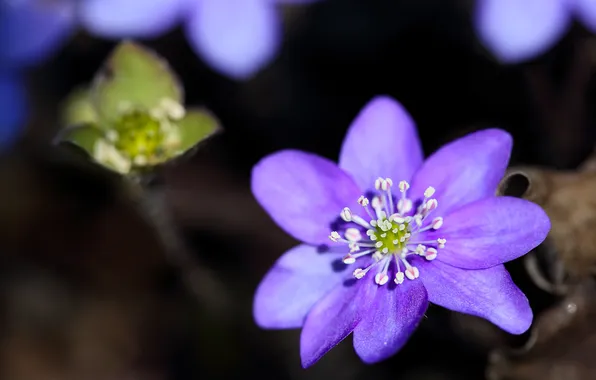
[(408, 247), (12, 107), (236, 38), (30, 30), (516, 30)]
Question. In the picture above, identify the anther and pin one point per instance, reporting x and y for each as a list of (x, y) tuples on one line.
[(430, 254), (353, 234), (437, 223), (379, 183), (346, 214), (381, 278), (429, 192), (404, 205), (359, 273), (399, 278), (403, 186), (431, 204), (363, 201), (441, 242), (420, 249), (412, 273), (335, 237), (349, 259)]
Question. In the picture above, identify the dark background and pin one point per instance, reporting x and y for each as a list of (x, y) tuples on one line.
[(87, 292)]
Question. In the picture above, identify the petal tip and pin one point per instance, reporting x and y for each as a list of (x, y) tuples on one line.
[(522, 323)]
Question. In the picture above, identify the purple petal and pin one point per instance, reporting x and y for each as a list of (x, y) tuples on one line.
[(586, 12), (12, 107), (334, 318), (490, 232), (300, 278), (31, 30), (390, 320), (303, 193), (381, 142), (487, 293), (465, 170), (130, 18), (517, 30), (236, 38)]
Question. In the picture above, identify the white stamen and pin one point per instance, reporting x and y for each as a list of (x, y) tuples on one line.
[(412, 273), (346, 214), (358, 220), (404, 205), (441, 242), (403, 186), (353, 234), (379, 183), (430, 254), (399, 278), (349, 259), (420, 249), (381, 278), (377, 256), (437, 223), (431, 204), (335, 237), (359, 273), (377, 204), (363, 201), (429, 192)]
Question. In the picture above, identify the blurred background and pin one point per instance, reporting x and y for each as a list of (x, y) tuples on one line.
[(87, 290)]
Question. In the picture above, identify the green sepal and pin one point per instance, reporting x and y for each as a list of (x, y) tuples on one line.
[(133, 77), (196, 126), (77, 108), (85, 136)]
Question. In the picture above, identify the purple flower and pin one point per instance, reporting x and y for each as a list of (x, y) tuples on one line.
[(385, 233), (235, 37), (31, 30), (517, 30), (12, 107)]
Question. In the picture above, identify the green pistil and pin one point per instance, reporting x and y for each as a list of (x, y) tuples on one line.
[(139, 135), (394, 239)]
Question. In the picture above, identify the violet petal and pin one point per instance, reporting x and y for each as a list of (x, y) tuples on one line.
[(13, 107), (236, 38), (465, 170), (130, 18), (390, 320), (381, 142), (487, 293), (333, 318), (303, 193), (517, 30), (32, 30), (585, 10), (300, 278), (491, 231)]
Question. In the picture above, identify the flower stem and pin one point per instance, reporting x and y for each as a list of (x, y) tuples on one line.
[(203, 284)]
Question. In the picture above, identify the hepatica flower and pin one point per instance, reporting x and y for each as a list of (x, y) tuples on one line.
[(12, 107), (234, 37), (519, 30), (384, 233)]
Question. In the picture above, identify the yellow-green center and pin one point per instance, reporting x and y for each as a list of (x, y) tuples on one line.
[(139, 134), (391, 236)]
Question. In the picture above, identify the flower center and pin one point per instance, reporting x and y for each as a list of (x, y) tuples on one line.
[(140, 138), (139, 135), (391, 232)]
